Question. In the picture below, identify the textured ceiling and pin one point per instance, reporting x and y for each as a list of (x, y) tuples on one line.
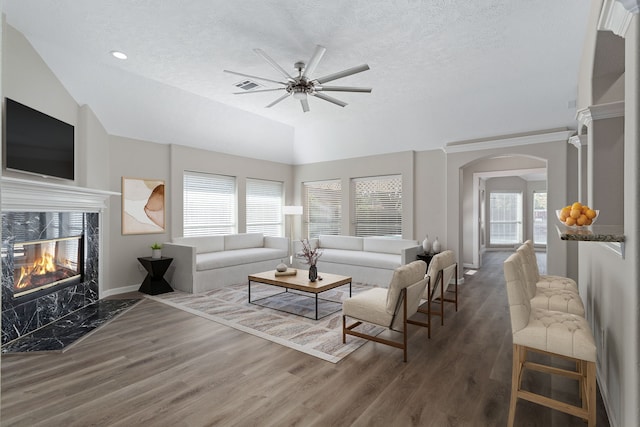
[(441, 71)]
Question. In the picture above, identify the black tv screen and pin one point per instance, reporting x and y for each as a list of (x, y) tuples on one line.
[(38, 143)]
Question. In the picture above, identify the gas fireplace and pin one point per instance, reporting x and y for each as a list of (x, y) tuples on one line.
[(43, 264)]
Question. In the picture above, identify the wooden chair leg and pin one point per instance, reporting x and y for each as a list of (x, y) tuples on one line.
[(456, 287), (344, 328), (515, 384), (404, 323), (429, 310)]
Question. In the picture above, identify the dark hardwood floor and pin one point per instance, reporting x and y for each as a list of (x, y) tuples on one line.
[(159, 366)]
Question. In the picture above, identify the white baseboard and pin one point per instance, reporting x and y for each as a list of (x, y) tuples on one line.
[(118, 291)]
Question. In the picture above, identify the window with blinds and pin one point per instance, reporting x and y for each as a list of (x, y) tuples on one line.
[(323, 208), (378, 206), (264, 207), (505, 218), (209, 206)]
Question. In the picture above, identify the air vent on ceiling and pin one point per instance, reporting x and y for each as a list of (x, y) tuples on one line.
[(248, 85)]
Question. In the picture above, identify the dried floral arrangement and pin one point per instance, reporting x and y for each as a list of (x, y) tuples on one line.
[(309, 253)]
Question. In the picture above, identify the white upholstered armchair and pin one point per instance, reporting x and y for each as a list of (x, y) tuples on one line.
[(388, 307)]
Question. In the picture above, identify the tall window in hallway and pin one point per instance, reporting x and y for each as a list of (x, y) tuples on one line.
[(539, 217), (505, 218)]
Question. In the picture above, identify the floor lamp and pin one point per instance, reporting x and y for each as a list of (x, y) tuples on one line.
[(291, 211)]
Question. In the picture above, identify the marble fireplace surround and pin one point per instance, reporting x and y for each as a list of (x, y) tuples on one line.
[(41, 199)]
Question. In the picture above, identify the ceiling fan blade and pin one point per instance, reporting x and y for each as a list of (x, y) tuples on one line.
[(305, 104), (341, 74), (330, 99), (343, 89), (274, 64), (278, 100), (254, 77), (259, 90), (315, 59)]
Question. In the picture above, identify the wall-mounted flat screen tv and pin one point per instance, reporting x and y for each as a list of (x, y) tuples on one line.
[(37, 143)]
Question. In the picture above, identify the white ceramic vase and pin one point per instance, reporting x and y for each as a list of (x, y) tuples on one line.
[(426, 245), (156, 253), (436, 246)]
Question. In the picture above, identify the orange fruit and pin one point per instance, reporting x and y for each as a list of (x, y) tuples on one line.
[(575, 213), (591, 214), (588, 222), (570, 221), (582, 220), (576, 205)]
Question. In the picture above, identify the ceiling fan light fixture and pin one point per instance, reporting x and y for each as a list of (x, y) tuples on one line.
[(300, 95)]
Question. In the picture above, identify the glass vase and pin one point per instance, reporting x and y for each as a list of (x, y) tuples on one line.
[(313, 273)]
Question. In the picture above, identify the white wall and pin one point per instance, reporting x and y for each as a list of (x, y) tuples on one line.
[(608, 281), (27, 79), (133, 159), (430, 196)]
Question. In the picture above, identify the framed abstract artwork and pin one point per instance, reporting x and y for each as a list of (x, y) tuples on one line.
[(143, 207)]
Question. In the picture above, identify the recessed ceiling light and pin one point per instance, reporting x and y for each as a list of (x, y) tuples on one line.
[(118, 54)]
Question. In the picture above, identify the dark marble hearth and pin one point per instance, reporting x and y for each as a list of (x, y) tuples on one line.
[(59, 335)]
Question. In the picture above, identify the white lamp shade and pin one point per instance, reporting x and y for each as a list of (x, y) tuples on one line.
[(292, 210)]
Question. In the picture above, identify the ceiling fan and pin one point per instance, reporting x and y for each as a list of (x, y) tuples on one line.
[(302, 85)]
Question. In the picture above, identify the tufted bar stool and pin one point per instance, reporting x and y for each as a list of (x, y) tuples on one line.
[(549, 298), (546, 280), (553, 333)]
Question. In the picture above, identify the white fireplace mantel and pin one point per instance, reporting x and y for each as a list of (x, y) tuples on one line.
[(21, 195)]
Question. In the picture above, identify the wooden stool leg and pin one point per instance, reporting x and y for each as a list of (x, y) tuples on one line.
[(515, 384), (591, 393)]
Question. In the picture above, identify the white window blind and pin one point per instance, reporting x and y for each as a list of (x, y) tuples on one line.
[(378, 206), (264, 207), (209, 204), (323, 207)]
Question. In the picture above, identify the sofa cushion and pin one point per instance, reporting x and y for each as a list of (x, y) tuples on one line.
[(202, 243), (387, 245), (340, 242), (243, 241), (209, 261), (360, 258)]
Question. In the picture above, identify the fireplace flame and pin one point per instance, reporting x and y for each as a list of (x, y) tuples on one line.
[(45, 264)]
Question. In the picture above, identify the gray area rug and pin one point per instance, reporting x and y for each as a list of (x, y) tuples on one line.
[(320, 338)]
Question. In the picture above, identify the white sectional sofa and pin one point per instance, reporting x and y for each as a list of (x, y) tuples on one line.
[(369, 260), (209, 262)]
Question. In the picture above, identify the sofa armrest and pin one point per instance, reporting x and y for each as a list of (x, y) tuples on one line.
[(408, 255), (182, 270), (276, 243)]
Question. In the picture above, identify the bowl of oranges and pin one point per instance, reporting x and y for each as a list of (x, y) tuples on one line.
[(577, 215)]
